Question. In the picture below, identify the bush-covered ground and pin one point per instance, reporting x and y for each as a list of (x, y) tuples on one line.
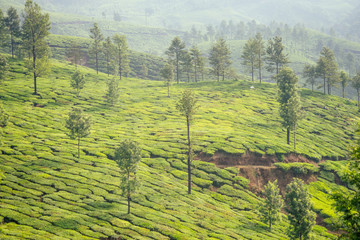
[(49, 194)]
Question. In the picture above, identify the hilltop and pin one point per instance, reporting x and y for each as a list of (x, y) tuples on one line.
[(49, 194)]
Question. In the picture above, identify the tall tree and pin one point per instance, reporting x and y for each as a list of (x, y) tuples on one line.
[(113, 92), (187, 106), (260, 49), (355, 83), (12, 21), (344, 81), (271, 207), (77, 81), (167, 73), (348, 204), (36, 28), (176, 53), (187, 65), (197, 61), (298, 207), (275, 57), (350, 61), (310, 74), (109, 49), (288, 98), (3, 29), (121, 49), (4, 66), (78, 126), (327, 68), (96, 48), (250, 56), (220, 58), (127, 156)]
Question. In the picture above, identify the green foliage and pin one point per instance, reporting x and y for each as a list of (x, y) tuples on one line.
[(310, 74), (95, 49), (121, 54), (298, 207), (167, 73), (3, 67), (273, 203), (355, 83), (250, 56), (113, 92), (344, 81), (176, 53), (77, 81), (348, 204), (12, 22), (198, 62), (127, 156), (297, 168), (35, 29), (327, 68), (220, 58), (78, 126), (275, 57), (289, 99)]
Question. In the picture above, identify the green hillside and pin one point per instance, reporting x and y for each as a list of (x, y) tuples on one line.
[(49, 194)]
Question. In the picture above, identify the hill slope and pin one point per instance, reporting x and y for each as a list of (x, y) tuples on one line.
[(49, 194)]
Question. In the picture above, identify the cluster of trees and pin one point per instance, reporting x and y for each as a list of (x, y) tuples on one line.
[(192, 62), (28, 37), (326, 74), (255, 54), (297, 205)]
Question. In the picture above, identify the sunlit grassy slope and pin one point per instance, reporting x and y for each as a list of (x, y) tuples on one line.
[(49, 194)]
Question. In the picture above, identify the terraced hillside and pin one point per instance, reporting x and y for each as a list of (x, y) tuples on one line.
[(48, 193)]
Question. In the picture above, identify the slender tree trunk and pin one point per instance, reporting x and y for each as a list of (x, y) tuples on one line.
[(223, 75), (324, 85), (343, 92), (288, 135), (189, 154), (260, 77), (177, 68), (97, 63), (12, 45), (78, 147), (34, 68), (195, 69), (128, 194), (295, 137), (252, 72), (269, 220)]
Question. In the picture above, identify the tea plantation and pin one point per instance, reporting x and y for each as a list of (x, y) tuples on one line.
[(48, 193)]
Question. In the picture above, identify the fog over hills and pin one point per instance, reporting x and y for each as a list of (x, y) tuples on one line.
[(179, 13)]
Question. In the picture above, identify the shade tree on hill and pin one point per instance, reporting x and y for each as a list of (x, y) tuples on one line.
[(12, 22), (127, 156), (187, 106), (4, 66), (327, 69), (271, 207), (250, 55), (260, 50), (77, 81), (96, 48), (35, 29), (275, 56), (113, 92), (167, 73), (121, 55), (344, 81), (78, 126), (176, 54), (355, 83), (310, 74), (108, 49), (198, 63), (220, 59), (298, 208), (347, 205), (289, 99)]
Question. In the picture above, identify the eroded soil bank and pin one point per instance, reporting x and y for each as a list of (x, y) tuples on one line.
[(260, 169)]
